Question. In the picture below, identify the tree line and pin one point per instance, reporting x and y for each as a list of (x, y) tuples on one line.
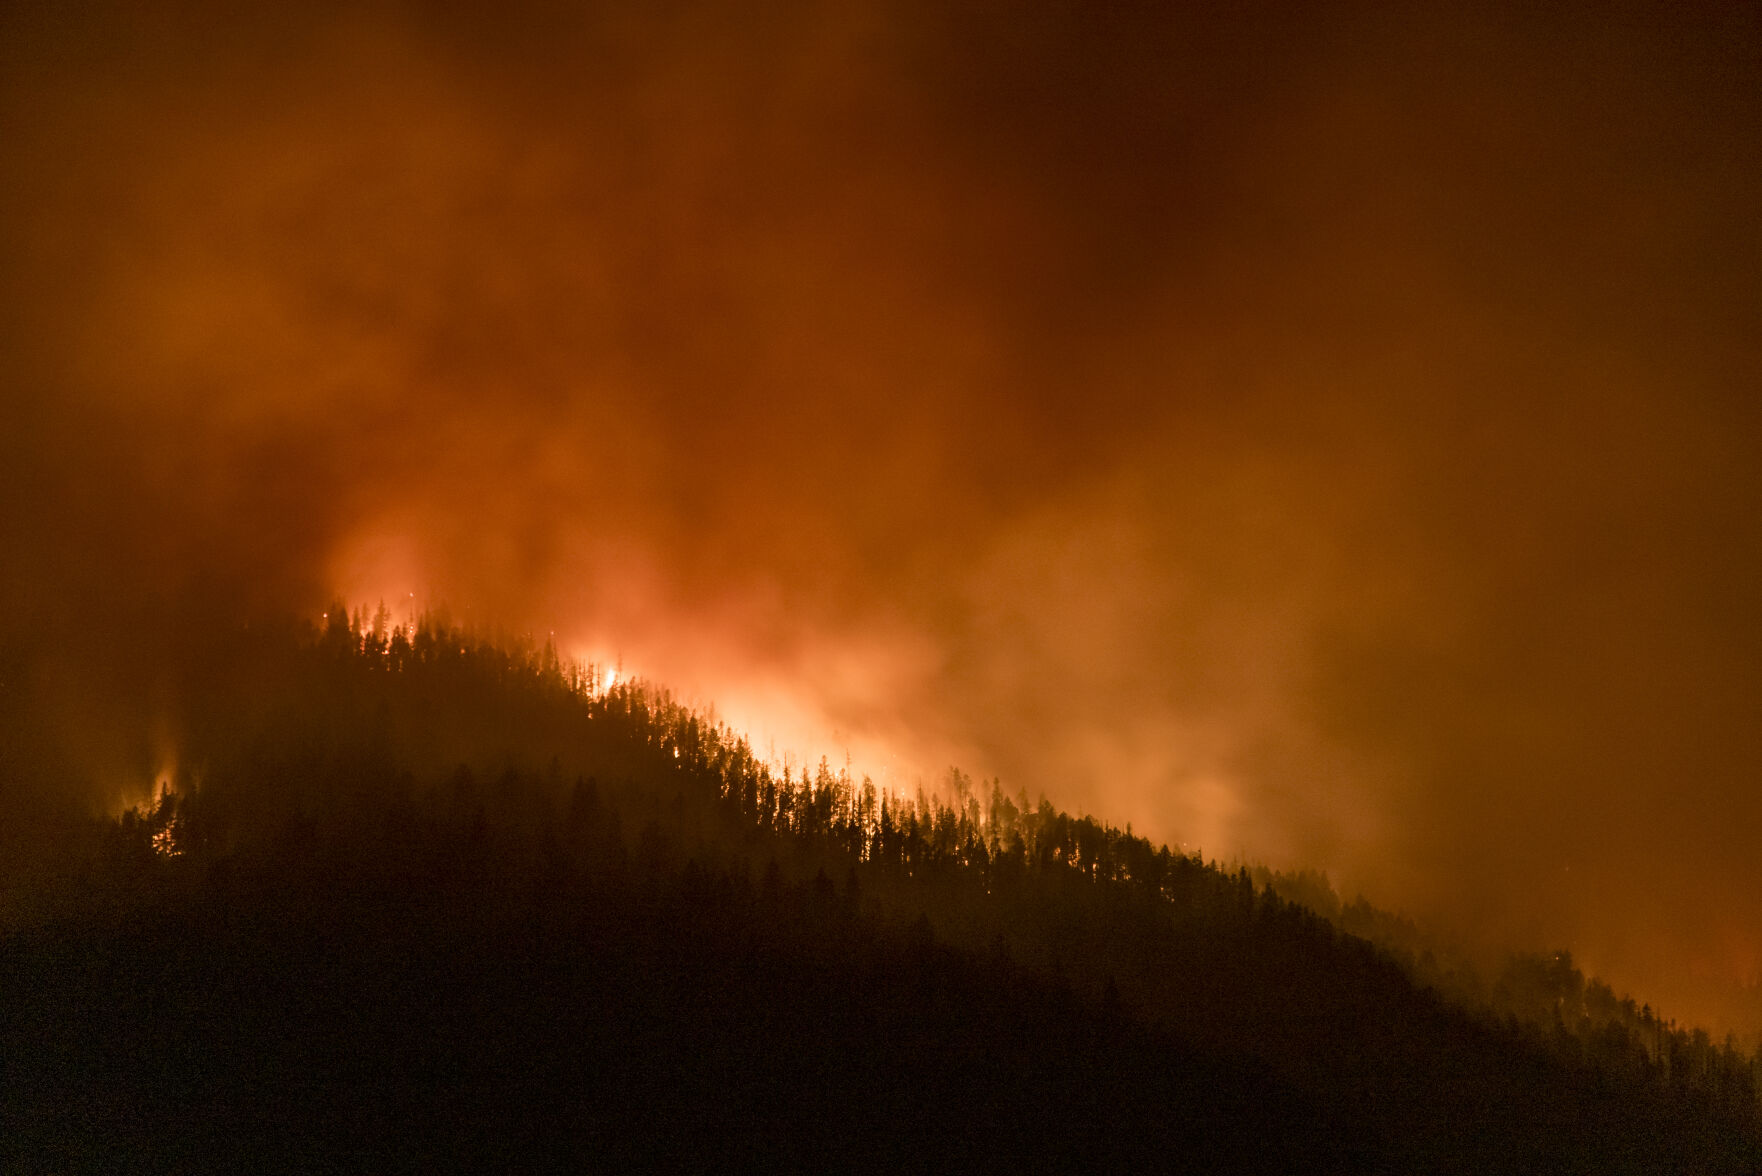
[(456, 765)]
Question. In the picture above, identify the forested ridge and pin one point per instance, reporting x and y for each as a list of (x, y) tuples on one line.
[(415, 898)]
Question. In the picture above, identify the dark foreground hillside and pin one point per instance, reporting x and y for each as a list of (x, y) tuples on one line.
[(425, 904), (382, 1023)]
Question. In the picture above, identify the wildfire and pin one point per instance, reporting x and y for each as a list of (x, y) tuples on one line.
[(165, 840)]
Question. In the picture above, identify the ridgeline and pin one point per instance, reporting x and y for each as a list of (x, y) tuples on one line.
[(418, 901)]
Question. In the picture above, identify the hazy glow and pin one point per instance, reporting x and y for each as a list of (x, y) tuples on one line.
[(1326, 437)]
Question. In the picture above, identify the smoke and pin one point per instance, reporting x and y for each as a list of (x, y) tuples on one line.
[(1321, 438)]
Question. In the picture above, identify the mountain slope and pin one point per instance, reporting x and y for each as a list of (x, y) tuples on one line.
[(426, 901)]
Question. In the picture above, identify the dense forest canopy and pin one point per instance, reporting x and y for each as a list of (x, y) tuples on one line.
[(365, 783)]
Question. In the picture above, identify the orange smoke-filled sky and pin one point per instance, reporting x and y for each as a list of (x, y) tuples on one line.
[(1326, 434)]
